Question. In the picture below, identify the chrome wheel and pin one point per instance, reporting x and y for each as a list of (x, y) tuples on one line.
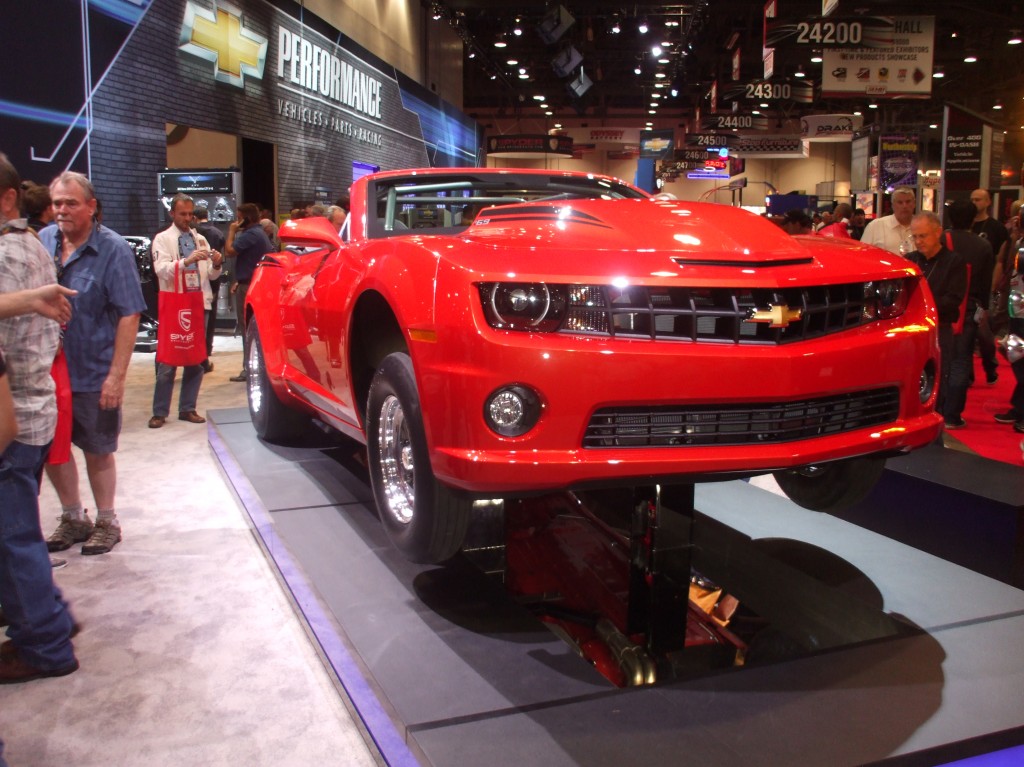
[(395, 454), (255, 379)]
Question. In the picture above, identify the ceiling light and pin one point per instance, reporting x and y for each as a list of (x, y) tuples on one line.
[(663, 60), (763, 105), (642, 27), (524, 76), (799, 72), (938, 73), (671, 23), (538, 97), (656, 51), (933, 126), (652, 111), (512, 62), (517, 29), (674, 92), (500, 42), (549, 113), (872, 105), (654, 103), (815, 59), (1015, 38), (545, 106), (660, 75), (637, 70), (970, 58), (615, 27), (998, 105), (435, 12), (659, 84), (471, 55), (858, 113)]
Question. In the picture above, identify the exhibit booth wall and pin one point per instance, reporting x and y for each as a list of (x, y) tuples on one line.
[(265, 71)]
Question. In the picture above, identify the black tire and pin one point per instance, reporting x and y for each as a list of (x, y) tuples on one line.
[(423, 518), (831, 487), (272, 419)]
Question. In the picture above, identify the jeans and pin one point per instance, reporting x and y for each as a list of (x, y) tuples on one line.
[(40, 623), (191, 380), (211, 317), (960, 368), (946, 346)]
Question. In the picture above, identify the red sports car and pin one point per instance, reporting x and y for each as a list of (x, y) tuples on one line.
[(495, 333)]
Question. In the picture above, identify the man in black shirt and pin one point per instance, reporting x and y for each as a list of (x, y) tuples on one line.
[(988, 228), (978, 253), (946, 273)]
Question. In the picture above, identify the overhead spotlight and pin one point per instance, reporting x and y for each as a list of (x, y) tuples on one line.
[(998, 105), (499, 41), (616, 27), (755, 111), (938, 74), (1015, 38), (471, 55), (674, 92), (656, 51), (642, 27), (652, 111), (660, 75), (517, 28), (799, 72), (512, 62), (815, 59), (933, 126), (637, 70), (763, 105), (435, 12), (549, 113), (872, 105), (970, 58), (538, 97), (857, 113)]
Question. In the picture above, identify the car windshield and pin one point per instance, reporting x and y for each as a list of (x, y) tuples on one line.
[(449, 204)]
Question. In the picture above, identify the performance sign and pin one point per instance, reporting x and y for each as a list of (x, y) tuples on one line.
[(902, 66)]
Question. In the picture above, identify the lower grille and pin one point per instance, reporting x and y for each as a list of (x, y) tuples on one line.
[(750, 424)]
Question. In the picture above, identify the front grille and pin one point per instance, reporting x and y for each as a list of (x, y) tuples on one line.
[(714, 314), (750, 424)]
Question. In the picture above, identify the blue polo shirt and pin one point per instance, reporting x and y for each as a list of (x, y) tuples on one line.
[(251, 245), (103, 272)]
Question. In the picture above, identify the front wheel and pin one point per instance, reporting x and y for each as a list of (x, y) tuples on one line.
[(423, 518), (272, 419), (831, 487)]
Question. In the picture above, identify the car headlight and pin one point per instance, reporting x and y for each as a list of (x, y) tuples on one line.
[(534, 306), (885, 299)]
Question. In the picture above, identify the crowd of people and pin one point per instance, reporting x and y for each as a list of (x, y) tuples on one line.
[(973, 271)]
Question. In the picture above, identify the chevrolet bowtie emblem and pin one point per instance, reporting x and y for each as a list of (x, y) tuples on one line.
[(777, 315), (218, 37)]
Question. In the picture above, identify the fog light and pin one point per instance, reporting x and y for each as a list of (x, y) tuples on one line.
[(511, 411), (926, 386)]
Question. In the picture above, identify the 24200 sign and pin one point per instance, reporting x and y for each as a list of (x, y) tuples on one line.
[(829, 33)]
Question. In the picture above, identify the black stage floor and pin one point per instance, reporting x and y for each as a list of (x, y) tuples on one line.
[(445, 670)]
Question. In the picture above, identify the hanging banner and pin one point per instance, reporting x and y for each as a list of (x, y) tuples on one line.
[(902, 67), (832, 128), (962, 151), (778, 147), (897, 161)]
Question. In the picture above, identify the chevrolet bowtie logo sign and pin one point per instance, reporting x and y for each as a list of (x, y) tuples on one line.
[(218, 36), (777, 315)]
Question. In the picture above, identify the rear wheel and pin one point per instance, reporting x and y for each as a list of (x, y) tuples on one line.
[(272, 419), (831, 487), (422, 517)]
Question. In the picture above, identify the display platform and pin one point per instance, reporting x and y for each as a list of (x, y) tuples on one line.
[(444, 669)]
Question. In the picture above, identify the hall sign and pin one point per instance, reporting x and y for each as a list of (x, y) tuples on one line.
[(799, 91), (707, 139), (897, 65)]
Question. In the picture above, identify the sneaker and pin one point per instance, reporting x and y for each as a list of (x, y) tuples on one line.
[(104, 537), (69, 532), (959, 423), (243, 376), (1010, 416)]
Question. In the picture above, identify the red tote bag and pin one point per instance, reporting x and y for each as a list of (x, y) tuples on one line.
[(181, 332)]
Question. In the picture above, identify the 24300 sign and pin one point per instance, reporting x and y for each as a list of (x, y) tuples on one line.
[(769, 91)]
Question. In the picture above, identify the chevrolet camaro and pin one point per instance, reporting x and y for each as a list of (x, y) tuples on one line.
[(494, 333)]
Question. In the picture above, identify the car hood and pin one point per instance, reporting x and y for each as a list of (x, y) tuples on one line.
[(667, 239)]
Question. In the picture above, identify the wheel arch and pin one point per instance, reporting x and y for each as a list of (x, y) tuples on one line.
[(374, 334)]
